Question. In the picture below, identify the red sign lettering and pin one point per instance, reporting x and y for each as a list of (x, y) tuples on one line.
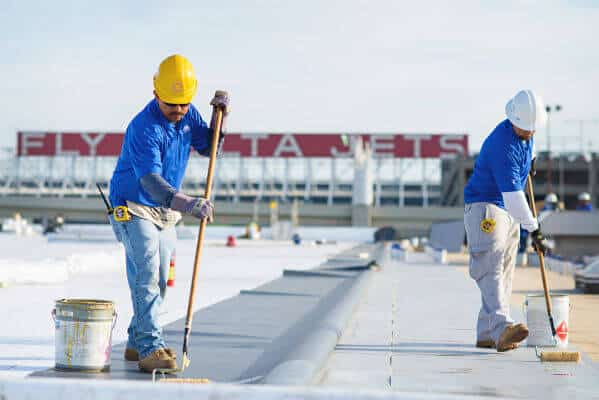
[(283, 145)]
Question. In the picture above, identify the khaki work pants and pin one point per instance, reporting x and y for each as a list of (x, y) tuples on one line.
[(493, 246)]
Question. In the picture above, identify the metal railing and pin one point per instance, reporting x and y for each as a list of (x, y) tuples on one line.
[(400, 182)]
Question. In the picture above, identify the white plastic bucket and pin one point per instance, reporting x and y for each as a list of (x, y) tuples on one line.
[(537, 320), (83, 334)]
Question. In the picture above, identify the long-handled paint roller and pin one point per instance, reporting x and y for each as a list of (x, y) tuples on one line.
[(573, 356), (216, 124)]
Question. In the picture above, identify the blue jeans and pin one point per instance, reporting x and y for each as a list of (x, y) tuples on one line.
[(148, 250)]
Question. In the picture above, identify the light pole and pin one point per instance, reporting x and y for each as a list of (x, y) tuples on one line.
[(550, 109)]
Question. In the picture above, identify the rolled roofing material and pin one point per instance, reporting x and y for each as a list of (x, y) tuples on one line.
[(323, 328)]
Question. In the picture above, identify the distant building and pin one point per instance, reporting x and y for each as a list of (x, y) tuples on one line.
[(566, 175)]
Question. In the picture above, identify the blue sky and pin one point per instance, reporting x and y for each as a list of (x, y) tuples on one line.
[(336, 66)]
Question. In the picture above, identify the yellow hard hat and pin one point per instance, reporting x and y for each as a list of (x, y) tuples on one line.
[(175, 82)]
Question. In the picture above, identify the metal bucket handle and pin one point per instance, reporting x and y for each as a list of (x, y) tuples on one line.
[(115, 316)]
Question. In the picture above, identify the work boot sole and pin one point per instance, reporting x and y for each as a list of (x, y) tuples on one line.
[(157, 364), (159, 359), (485, 344), (489, 344), (133, 355)]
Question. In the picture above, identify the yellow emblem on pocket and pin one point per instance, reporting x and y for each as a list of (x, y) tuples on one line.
[(487, 225)]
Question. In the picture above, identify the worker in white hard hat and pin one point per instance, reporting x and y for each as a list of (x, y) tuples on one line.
[(495, 208), (584, 202), (550, 205)]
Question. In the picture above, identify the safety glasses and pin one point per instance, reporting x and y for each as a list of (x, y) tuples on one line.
[(171, 105)]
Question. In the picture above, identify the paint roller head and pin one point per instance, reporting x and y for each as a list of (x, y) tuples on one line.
[(164, 371), (185, 380), (560, 356)]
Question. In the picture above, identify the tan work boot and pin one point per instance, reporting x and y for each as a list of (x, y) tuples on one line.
[(172, 353), (133, 355), (511, 336), (157, 359), (485, 344)]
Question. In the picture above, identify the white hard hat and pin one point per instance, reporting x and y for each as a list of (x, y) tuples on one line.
[(526, 110), (551, 198), (584, 196)]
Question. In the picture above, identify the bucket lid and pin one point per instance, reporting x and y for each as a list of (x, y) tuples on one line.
[(552, 295), (85, 304)]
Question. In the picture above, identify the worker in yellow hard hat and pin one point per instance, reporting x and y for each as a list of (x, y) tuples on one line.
[(145, 192)]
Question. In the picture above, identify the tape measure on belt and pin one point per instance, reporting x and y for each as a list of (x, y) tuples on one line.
[(121, 214)]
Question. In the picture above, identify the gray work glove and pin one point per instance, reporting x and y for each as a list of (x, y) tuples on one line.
[(539, 242), (198, 207), (221, 101)]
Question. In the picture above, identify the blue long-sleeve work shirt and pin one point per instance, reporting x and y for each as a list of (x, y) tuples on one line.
[(153, 144), (502, 166)]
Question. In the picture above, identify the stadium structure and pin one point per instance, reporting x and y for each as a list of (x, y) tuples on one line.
[(414, 179)]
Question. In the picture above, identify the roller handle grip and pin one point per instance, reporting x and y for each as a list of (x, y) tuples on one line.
[(186, 339), (552, 324)]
